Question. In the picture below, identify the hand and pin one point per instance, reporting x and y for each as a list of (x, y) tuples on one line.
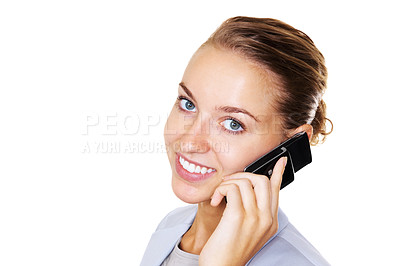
[(249, 220)]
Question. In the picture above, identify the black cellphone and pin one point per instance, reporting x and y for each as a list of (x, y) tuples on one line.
[(296, 149)]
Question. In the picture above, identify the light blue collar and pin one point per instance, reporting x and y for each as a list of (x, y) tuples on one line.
[(165, 237)]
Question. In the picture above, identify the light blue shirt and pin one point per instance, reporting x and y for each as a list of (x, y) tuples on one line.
[(286, 248)]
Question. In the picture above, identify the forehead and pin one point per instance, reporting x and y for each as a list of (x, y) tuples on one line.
[(222, 78)]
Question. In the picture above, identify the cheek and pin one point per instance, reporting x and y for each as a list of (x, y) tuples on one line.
[(244, 151), (235, 154), (171, 127)]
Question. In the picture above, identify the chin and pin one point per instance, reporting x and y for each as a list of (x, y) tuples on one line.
[(188, 193)]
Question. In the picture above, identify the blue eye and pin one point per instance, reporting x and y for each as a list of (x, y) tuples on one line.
[(185, 104), (232, 125)]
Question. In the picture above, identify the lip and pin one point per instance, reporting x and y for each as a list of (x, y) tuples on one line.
[(188, 176)]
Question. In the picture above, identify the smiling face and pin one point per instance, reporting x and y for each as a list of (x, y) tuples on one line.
[(221, 122)]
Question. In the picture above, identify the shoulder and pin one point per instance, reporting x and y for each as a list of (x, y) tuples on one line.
[(181, 215), (169, 230), (289, 247)]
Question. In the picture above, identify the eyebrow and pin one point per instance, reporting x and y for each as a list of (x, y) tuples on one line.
[(226, 109), (188, 92), (231, 109)]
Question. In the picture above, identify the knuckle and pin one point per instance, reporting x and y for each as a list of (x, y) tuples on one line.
[(253, 219), (261, 177), (234, 187), (247, 183), (229, 186), (257, 179), (243, 182), (267, 222)]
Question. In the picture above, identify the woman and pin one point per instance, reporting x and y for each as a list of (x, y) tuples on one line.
[(253, 84)]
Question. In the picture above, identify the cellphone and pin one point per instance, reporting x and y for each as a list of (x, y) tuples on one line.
[(296, 149)]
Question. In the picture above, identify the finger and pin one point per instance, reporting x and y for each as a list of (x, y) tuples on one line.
[(261, 185), (247, 193), (276, 180), (231, 192)]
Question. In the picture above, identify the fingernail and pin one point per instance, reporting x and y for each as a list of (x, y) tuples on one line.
[(284, 161)]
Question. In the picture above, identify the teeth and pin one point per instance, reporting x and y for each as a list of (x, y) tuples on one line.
[(192, 168)]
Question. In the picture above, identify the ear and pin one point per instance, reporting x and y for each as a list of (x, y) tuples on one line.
[(306, 128)]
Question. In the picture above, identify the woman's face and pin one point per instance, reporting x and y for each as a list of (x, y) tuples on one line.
[(221, 122)]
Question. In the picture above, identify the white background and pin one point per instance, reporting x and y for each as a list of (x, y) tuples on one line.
[(64, 63)]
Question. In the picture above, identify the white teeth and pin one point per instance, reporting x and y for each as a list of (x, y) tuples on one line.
[(186, 165), (203, 170), (192, 168)]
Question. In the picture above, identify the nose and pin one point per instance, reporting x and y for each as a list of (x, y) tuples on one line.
[(196, 138)]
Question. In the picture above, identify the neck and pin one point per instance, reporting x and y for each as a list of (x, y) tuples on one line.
[(204, 224)]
